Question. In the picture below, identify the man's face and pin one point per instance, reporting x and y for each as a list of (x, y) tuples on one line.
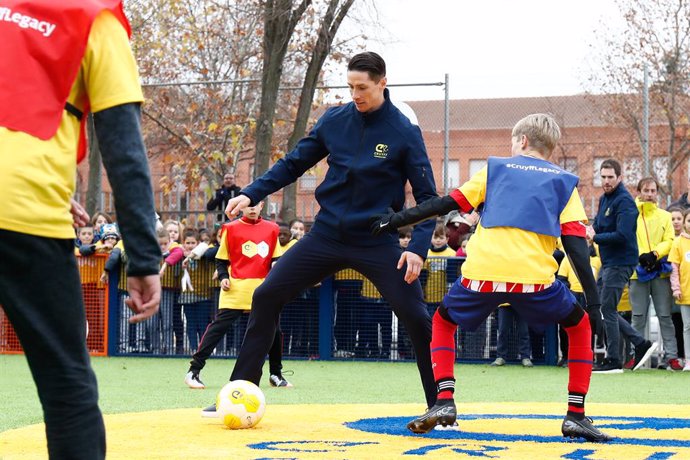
[(609, 180), (648, 192), (228, 180), (366, 93)]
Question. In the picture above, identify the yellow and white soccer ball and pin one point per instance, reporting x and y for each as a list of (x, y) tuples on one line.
[(240, 404)]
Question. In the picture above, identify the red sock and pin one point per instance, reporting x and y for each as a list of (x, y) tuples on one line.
[(443, 354), (579, 364)]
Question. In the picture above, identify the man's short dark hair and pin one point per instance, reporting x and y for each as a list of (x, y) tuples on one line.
[(368, 62), (611, 164), (647, 180)]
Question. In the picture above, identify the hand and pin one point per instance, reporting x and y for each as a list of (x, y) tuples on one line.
[(472, 218), (80, 217), (236, 205), (162, 270), (225, 284), (647, 260), (384, 223), (589, 231), (677, 294), (104, 277), (144, 296), (414, 265)]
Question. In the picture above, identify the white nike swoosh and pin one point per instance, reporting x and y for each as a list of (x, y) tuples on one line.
[(383, 224)]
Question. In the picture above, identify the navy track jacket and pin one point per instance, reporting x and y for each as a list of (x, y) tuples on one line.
[(616, 228), (370, 158)]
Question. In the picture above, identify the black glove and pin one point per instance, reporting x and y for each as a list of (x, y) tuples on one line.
[(389, 223), (647, 260), (385, 223)]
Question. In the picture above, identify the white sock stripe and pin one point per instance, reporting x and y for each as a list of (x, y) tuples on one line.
[(447, 384), (576, 399)]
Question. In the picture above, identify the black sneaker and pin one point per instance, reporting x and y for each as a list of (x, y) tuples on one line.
[(210, 411), (643, 352), (573, 428), (443, 413), (609, 366)]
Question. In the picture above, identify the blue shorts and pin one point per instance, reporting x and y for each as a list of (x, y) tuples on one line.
[(468, 309)]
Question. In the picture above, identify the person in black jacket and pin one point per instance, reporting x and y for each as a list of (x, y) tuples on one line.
[(224, 194), (373, 149)]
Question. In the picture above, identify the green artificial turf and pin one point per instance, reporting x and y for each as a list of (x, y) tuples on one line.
[(144, 384)]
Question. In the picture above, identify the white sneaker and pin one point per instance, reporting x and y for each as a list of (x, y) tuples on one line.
[(686, 368), (277, 380), (453, 427), (193, 381)]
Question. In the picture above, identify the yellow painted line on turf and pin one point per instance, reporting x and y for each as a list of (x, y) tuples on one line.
[(319, 432)]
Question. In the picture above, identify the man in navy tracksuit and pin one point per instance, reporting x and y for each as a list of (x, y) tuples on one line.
[(614, 230), (372, 150)]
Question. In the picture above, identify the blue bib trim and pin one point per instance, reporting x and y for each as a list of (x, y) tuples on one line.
[(526, 193)]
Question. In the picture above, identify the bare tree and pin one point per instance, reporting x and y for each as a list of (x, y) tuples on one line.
[(280, 20), (655, 34), (336, 12)]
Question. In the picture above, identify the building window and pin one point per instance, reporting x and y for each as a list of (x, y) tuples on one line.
[(452, 176), (633, 171), (475, 166), (569, 164), (596, 175), (307, 182), (660, 167)]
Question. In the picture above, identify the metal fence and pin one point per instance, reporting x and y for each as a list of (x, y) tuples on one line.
[(344, 317)]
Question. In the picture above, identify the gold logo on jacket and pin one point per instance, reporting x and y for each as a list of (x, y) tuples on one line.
[(381, 151)]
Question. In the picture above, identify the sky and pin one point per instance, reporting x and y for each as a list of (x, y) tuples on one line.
[(488, 48)]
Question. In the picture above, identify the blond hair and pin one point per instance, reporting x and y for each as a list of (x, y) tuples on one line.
[(541, 131)]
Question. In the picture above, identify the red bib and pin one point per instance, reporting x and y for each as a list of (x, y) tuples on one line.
[(42, 43)]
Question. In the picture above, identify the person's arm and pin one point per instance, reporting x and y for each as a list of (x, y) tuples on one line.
[(308, 151), (575, 246), (222, 268), (664, 247), (176, 255), (421, 177), (87, 249), (675, 280), (119, 138), (113, 261)]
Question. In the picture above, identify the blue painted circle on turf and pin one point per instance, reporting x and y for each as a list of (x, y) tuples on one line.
[(396, 426)]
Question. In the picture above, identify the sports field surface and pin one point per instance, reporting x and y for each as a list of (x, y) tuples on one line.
[(353, 410)]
